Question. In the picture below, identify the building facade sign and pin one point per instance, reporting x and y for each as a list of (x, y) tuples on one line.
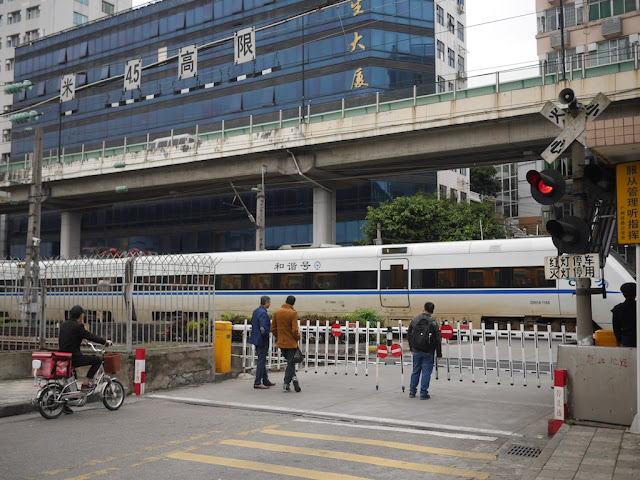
[(627, 183)]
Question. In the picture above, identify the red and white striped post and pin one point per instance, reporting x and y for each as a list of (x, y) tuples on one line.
[(560, 410), (138, 378)]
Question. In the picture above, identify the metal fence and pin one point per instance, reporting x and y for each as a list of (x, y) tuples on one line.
[(485, 354), (149, 301)]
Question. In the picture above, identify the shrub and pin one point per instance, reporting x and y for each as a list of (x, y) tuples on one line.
[(366, 317)]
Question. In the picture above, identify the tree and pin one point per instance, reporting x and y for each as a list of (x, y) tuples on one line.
[(425, 218), (484, 181)]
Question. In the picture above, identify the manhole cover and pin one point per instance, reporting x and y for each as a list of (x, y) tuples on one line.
[(524, 451)]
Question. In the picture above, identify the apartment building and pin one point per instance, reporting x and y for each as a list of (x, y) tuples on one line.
[(451, 53)]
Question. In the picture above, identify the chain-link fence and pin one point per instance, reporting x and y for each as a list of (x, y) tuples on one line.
[(150, 301)]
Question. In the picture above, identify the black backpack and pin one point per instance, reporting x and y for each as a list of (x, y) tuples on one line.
[(425, 336)]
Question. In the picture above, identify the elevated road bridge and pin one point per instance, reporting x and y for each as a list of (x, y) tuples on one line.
[(484, 125)]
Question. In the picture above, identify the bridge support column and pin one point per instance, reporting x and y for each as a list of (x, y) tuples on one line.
[(324, 216), (70, 223)]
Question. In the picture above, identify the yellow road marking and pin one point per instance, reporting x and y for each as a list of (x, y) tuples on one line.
[(381, 443), (98, 473), (350, 457), (263, 467)]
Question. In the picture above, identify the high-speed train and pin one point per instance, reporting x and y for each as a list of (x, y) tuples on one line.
[(470, 281)]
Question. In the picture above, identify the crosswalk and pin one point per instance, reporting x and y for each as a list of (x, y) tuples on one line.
[(358, 450)]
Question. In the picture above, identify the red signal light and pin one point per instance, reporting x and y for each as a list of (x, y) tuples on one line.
[(547, 187)]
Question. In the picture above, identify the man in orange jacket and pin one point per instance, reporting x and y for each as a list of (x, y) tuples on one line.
[(284, 326)]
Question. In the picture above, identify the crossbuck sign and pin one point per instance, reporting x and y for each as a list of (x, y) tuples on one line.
[(573, 128)]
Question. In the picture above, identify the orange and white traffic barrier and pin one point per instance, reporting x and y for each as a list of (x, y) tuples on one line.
[(138, 378)]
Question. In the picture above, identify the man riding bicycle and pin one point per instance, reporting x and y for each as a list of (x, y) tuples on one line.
[(72, 332)]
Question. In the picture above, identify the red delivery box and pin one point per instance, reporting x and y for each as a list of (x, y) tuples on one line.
[(52, 364)]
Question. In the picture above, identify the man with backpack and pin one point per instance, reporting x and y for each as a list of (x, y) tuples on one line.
[(425, 343)]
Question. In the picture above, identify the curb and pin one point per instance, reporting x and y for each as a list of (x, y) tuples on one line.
[(536, 467), (17, 409)]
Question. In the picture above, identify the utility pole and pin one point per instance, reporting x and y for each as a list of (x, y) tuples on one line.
[(260, 213), (32, 258), (584, 319)]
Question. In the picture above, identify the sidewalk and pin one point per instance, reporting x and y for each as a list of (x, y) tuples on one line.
[(511, 414)]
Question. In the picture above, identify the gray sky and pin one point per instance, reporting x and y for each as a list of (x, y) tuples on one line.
[(495, 40)]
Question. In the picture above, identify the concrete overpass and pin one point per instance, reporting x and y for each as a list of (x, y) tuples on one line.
[(487, 125)]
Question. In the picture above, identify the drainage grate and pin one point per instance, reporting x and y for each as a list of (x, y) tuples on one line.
[(524, 451)]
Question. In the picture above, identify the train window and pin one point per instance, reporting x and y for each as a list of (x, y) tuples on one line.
[(359, 280), (423, 278), (530, 277), (483, 277), (230, 282), (446, 278), (395, 277), (325, 281), (261, 281), (292, 281)]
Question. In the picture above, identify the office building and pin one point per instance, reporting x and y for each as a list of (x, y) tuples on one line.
[(171, 69)]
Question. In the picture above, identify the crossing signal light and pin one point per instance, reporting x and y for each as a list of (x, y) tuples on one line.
[(570, 234), (547, 186), (12, 88), (601, 181), (24, 117)]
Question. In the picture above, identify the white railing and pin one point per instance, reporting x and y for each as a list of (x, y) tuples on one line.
[(486, 354)]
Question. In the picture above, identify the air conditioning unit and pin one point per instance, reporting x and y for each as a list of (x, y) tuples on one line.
[(461, 75), (460, 8), (556, 41), (611, 27)]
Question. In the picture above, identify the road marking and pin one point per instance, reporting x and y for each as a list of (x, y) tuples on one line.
[(98, 473), (382, 443), (351, 457), (403, 430), (262, 467), (332, 415)]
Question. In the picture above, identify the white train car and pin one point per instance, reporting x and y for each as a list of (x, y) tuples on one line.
[(472, 281), (491, 280)]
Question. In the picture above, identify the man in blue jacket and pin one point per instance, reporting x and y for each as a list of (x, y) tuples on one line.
[(260, 329)]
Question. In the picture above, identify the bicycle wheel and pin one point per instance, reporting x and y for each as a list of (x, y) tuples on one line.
[(49, 405), (113, 395)]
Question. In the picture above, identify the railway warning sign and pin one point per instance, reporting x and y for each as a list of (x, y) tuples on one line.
[(446, 331), (572, 266), (382, 351), (396, 350), (335, 329), (628, 193)]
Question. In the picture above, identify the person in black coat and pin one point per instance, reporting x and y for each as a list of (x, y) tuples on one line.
[(72, 332), (624, 317)]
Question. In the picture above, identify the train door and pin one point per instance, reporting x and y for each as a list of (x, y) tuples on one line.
[(394, 282)]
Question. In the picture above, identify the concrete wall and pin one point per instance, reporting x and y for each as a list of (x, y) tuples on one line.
[(163, 370), (601, 383)]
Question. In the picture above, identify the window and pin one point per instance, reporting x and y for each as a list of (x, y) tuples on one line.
[(0, 20), (440, 15), (606, 8), (571, 60), (441, 50), (6, 135), (611, 51), (442, 191), (13, 41), (450, 86), (451, 24), (31, 35), (79, 19), (14, 17), (33, 12), (549, 20), (108, 8), (84, 2), (463, 197), (440, 88), (460, 63), (5, 158), (461, 31), (8, 65), (452, 58)]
